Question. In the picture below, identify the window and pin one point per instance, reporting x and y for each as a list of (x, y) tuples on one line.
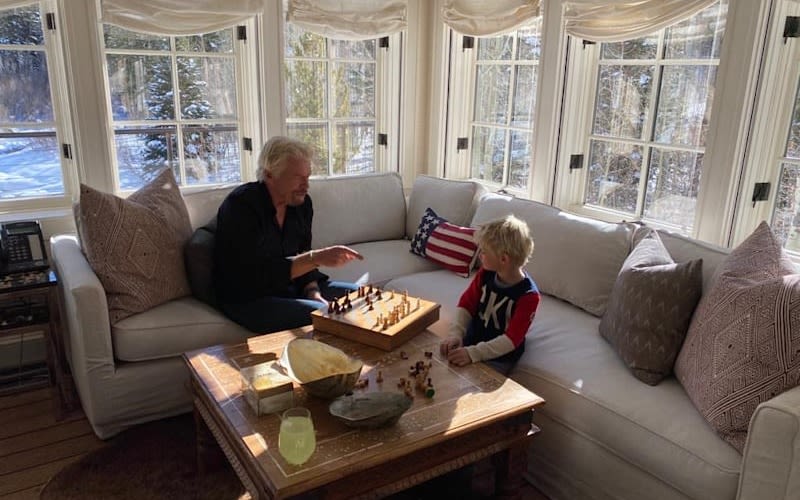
[(31, 169), (338, 101), (492, 103), (786, 216), (173, 103), (648, 124), (774, 158)]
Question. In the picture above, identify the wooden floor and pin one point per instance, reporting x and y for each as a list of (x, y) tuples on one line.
[(34, 446)]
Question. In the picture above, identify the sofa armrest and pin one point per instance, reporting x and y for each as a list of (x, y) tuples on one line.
[(87, 326), (771, 461)]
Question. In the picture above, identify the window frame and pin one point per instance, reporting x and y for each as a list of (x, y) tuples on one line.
[(772, 119), (461, 80), (388, 99), (62, 122), (245, 68), (727, 138)]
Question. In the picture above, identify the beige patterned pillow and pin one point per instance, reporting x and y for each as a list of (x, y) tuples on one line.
[(135, 245), (743, 346), (650, 307)]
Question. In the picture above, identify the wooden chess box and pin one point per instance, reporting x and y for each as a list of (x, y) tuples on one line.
[(375, 317)]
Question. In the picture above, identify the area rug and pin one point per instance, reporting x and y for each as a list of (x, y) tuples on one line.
[(154, 461), (157, 461)]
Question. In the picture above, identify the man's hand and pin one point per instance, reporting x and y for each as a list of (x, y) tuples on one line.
[(335, 256), (459, 357), (449, 344), (312, 292)]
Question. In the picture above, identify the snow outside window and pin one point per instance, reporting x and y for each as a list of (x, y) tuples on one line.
[(174, 102), (339, 100), (33, 173)]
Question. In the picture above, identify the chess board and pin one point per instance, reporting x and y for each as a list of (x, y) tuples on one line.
[(364, 320)]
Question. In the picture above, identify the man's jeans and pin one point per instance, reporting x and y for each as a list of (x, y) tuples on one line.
[(274, 314)]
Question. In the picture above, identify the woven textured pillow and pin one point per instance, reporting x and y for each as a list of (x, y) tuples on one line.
[(135, 245), (650, 308), (449, 245), (743, 347)]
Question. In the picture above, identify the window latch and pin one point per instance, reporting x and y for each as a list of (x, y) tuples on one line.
[(575, 162), (462, 143), (760, 192), (791, 28)]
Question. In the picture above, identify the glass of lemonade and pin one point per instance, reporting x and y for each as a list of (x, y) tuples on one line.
[(296, 440)]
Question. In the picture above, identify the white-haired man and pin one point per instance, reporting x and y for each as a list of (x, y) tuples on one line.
[(265, 273)]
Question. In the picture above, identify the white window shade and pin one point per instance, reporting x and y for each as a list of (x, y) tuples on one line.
[(178, 17), (11, 4), (617, 20), (349, 19), (481, 17)]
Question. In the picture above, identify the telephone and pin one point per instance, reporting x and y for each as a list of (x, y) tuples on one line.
[(22, 247)]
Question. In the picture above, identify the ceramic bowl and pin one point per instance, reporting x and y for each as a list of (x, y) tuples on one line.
[(371, 409), (322, 370)]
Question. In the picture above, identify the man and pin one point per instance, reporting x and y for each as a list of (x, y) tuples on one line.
[(265, 273)]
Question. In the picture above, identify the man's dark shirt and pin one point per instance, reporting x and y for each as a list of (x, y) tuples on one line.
[(251, 252)]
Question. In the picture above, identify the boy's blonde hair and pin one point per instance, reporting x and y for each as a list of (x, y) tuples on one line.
[(509, 236)]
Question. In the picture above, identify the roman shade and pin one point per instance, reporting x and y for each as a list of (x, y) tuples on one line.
[(482, 18), (349, 19), (178, 17), (616, 20)]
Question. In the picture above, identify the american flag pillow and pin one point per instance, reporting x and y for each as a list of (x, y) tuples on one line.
[(449, 245)]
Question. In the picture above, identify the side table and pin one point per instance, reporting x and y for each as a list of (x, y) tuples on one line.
[(40, 288)]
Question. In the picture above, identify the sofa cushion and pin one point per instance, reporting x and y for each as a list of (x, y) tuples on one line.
[(742, 347), (171, 329), (576, 258), (199, 256), (456, 201), (589, 390), (135, 245), (650, 308), (383, 260), (351, 210), (203, 205), (449, 245)]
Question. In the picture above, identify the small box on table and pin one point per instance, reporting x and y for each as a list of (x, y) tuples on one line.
[(266, 389)]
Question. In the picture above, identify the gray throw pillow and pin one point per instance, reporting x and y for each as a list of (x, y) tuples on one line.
[(650, 308), (199, 257), (743, 344)]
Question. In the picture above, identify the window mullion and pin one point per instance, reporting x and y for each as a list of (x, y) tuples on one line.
[(329, 101), (182, 180), (649, 128)]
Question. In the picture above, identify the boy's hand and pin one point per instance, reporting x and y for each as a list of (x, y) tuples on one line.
[(459, 357), (448, 345)]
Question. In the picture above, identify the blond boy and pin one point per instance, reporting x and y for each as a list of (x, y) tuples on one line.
[(496, 310)]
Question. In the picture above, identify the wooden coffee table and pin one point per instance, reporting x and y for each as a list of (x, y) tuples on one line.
[(475, 413)]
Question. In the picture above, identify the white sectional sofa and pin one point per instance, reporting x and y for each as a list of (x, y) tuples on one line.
[(605, 434)]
